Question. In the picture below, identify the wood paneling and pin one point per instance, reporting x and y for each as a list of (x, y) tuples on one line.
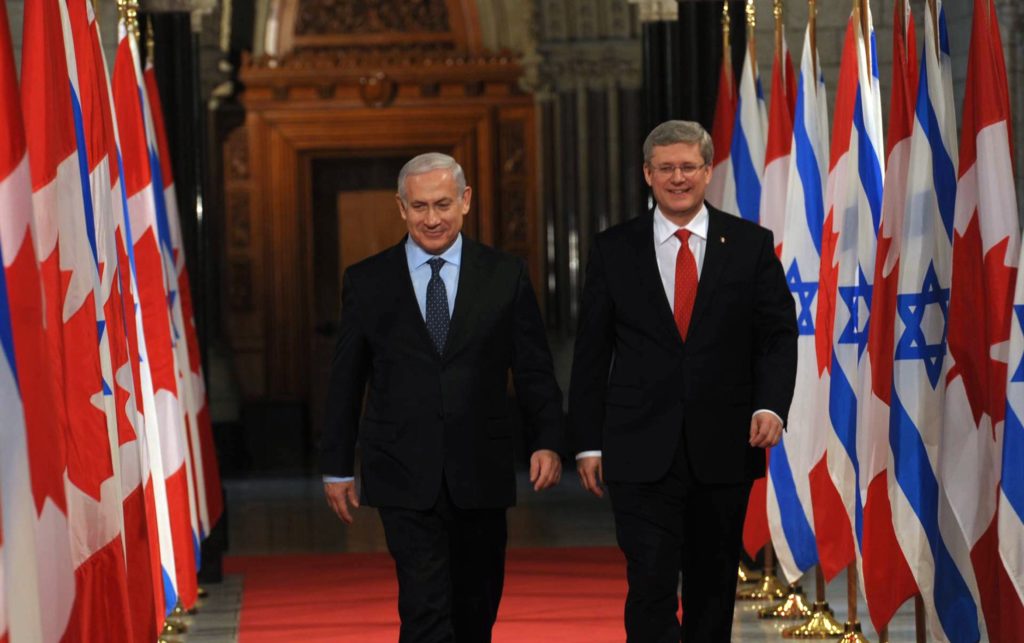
[(299, 116)]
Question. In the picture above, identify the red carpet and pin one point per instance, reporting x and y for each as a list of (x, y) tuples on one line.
[(565, 595)]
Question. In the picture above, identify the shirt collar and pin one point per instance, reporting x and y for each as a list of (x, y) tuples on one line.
[(665, 229), (417, 256)]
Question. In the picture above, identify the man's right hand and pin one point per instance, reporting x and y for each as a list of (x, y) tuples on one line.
[(591, 475), (342, 498)]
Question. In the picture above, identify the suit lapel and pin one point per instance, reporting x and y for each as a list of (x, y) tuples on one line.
[(715, 255), (405, 295), (471, 293), (650, 280)]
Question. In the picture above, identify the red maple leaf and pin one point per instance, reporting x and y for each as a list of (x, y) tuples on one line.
[(828, 280), (883, 321), (980, 307)]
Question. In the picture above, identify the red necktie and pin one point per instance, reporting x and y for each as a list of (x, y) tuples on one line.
[(686, 283)]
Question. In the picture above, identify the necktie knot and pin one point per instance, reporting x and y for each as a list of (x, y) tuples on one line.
[(683, 235), (435, 266)]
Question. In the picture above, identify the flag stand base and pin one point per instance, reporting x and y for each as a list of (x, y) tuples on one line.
[(793, 606), (180, 612), (173, 627), (853, 633), (821, 625), (747, 575), (768, 589)]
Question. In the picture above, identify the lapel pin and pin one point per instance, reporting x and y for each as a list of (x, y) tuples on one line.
[(721, 239)]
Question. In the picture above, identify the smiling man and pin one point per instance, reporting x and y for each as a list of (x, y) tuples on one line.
[(429, 331), (684, 368)]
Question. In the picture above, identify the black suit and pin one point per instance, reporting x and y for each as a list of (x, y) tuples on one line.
[(437, 433), (672, 419)]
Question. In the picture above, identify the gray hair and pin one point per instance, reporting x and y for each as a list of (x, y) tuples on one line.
[(672, 132), (428, 163)]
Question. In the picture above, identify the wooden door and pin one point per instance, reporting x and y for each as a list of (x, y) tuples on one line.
[(367, 223)]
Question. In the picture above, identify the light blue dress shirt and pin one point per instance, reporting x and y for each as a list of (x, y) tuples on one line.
[(419, 272)]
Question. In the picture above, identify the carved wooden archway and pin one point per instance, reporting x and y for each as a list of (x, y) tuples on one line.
[(378, 81)]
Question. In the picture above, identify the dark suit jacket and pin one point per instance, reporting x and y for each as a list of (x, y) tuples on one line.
[(636, 387), (430, 417)]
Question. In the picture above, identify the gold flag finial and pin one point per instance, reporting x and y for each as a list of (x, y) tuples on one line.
[(129, 11), (150, 40), (725, 25), (863, 13), (933, 10), (751, 26), (812, 28), (777, 11)]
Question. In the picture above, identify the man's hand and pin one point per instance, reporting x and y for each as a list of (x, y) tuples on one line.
[(591, 475), (545, 469), (765, 430), (342, 498)]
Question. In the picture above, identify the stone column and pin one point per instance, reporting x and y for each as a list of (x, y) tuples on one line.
[(584, 69), (662, 60)]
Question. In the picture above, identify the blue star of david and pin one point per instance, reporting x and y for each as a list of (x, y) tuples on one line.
[(856, 332), (912, 343), (805, 292), (1018, 375)]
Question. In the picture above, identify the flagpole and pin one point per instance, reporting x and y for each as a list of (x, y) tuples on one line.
[(920, 628), (822, 624), (751, 25), (863, 10), (935, 24), (726, 36), (812, 28), (852, 632), (777, 12), (769, 588)]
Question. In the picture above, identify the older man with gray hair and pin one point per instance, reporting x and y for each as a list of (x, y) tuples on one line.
[(430, 330)]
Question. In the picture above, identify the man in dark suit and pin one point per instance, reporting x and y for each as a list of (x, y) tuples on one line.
[(684, 368), (433, 325)]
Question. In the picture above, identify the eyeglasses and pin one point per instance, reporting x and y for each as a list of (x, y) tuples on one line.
[(688, 170)]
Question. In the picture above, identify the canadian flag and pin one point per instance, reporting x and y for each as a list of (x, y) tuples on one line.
[(164, 415), (23, 493), (984, 270), (62, 207)]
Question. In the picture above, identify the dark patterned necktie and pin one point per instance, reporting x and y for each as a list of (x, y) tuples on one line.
[(437, 305)]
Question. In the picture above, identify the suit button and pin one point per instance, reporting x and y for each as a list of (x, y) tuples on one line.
[(440, 415)]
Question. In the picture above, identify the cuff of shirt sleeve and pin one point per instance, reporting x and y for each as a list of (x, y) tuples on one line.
[(588, 454), (330, 479), (773, 413)]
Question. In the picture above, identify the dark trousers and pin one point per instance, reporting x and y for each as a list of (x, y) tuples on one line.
[(674, 525), (451, 568)]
